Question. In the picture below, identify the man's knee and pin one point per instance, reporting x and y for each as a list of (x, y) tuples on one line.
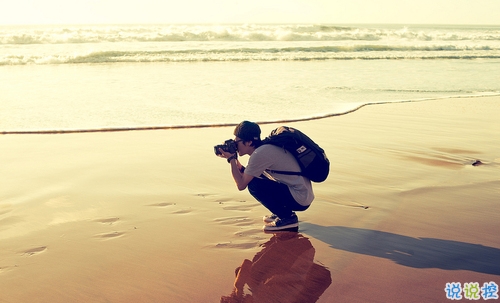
[(254, 186), (259, 188)]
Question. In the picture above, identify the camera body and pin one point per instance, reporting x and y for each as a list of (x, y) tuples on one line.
[(228, 146)]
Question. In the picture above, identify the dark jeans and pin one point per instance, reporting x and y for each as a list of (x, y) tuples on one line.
[(274, 196)]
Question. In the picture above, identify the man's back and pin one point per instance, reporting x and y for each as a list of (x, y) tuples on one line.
[(271, 157)]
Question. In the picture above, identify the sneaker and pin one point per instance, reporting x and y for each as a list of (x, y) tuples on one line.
[(283, 224), (269, 218), (272, 217)]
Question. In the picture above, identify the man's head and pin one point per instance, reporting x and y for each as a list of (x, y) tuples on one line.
[(249, 134), (247, 131)]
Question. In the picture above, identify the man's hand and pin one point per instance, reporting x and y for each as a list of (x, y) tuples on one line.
[(224, 154)]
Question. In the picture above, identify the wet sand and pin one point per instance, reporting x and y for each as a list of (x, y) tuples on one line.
[(154, 216)]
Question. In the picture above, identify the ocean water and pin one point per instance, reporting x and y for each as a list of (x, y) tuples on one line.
[(102, 77)]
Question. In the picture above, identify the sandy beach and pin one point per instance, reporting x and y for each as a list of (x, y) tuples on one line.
[(154, 216)]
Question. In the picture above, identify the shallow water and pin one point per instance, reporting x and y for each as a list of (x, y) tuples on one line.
[(93, 77)]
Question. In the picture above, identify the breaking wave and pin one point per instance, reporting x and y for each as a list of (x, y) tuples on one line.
[(362, 52), (245, 32), (206, 43)]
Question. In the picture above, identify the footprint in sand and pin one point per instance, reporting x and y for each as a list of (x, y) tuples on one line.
[(223, 200), (109, 221), (254, 233), (238, 221), (247, 236), (6, 268), (245, 207), (183, 211), (34, 251), (111, 235), (242, 239), (163, 204), (204, 195)]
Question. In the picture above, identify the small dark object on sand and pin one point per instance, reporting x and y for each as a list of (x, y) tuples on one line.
[(477, 163)]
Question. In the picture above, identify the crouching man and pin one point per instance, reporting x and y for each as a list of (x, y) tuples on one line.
[(281, 194)]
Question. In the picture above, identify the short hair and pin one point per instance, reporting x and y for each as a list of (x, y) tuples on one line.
[(247, 131)]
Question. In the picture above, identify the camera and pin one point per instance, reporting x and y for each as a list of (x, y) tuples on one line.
[(228, 146)]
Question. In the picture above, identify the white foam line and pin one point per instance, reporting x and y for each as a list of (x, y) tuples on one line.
[(123, 129)]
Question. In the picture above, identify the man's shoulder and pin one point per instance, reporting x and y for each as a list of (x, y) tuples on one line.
[(268, 148), (272, 153), (266, 153)]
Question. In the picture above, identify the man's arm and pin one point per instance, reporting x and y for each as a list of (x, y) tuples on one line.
[(237, 170), (241, 178)]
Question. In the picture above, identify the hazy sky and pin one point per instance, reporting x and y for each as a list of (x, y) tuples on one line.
[(250, 11)]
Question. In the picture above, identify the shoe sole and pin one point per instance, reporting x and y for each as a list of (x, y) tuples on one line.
[(281, 228), (292, 229)]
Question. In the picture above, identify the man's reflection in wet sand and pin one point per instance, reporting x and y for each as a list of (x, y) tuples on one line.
[(283, 271)]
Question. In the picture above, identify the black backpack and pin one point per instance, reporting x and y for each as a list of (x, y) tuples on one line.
[(313, 162)]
